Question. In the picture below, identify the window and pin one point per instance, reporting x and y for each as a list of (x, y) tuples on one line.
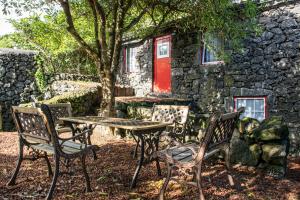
[(163, 49), (255, 107), (130, 58), (211, 46)]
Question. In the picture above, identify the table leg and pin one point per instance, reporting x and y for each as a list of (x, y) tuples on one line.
[(140, 163)]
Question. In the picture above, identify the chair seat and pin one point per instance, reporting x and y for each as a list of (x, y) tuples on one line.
[(68, 147), (184, 154)]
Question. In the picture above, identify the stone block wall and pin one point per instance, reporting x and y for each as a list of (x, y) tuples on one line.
[(269, 66), (141, 79), (17, 82), (50, 78)]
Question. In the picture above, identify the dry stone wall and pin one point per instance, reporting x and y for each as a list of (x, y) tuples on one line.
[(17, 83), (268, 66)]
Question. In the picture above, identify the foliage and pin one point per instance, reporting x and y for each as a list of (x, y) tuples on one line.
[(99, 26), (40, 79), (60, 53)]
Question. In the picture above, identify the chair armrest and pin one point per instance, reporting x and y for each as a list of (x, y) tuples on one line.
[(82, 137)]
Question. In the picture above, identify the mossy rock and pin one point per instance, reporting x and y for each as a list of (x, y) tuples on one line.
[(140, 112), (242, 153), (273, 128), (84, 102), (274, 151), (247, 125)]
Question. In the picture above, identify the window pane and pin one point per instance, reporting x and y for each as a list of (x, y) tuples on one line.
[(254, 108), (259, 105), (215, 44), (131, 53), (259, 116), (163, 50), (249, 105)]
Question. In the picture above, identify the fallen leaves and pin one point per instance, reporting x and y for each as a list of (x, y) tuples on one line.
[(111, 174)]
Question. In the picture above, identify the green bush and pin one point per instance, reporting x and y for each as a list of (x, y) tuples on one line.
[(40, 79)]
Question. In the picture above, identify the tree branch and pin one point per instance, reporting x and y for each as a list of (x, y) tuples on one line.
[(96, 26), (71, 29), (137, 19)]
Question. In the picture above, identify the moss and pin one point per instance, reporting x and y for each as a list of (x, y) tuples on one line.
[(228, 80), (84, 102)]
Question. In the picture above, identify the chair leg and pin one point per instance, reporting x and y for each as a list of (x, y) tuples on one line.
[(50, 173), (55, 177), (199, 183), (86, 176), (228, 166), (12, 181), (93, 150), (165, 185)]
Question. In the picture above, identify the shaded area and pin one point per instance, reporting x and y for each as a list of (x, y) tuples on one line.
[(112, 172)]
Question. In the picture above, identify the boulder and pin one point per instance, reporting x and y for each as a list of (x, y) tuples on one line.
[(242, 153), (274, 151), (271, 129)]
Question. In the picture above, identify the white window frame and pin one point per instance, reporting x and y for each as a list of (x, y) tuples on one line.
[(205, 48), (160, 44), (131, 61), (252, 98)]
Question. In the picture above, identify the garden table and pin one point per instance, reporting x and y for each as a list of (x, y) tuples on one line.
[(147, 131)]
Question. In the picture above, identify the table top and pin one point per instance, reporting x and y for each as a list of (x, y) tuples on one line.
[(128, 124)]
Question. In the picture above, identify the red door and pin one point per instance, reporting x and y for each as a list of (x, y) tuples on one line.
[(162, 64)]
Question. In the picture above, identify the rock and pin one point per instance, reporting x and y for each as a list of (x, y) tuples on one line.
[(242, 153), (247, 125), (289, 23), (271, 129), (274, 151)]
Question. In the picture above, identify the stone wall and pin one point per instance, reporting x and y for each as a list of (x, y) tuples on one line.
[(17, 83), (269, 66), (50, 78), (141, 79)]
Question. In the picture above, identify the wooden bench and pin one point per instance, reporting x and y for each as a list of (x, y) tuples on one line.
[(36, 131), (187, 158)]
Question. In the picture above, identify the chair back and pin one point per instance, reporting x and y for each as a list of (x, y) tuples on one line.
[(59, 110), (170, 114), (219, 131), (32, 124)]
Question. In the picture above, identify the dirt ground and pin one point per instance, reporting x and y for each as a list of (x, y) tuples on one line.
[(111, 174)]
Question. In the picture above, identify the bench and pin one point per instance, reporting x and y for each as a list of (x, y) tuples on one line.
[(36, 131), (187, 158)]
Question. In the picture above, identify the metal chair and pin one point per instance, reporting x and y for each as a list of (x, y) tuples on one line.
[(36, 131), (187, 159)]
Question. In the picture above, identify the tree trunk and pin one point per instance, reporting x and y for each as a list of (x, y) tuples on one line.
[(107, 106)]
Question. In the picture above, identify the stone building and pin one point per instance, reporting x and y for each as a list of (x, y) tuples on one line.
[(265, 77), (17, 82)]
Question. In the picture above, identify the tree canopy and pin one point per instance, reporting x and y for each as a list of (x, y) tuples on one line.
[(98, 27)]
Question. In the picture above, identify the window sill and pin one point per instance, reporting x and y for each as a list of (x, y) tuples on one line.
[(213, 63)]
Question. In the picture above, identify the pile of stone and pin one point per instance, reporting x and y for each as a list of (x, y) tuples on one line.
[(263, 145)]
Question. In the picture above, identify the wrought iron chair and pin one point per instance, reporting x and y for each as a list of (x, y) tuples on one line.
[(187, 159), (178, 115), (37, 131), (59, 110)]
